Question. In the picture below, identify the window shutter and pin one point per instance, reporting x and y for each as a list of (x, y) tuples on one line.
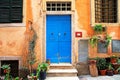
[(4, 11), (16, 10)]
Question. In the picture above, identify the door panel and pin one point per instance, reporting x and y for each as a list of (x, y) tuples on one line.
[(58, 38), (64, 50), (52, 50)]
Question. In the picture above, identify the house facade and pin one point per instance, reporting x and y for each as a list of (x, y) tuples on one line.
[(63, 29)]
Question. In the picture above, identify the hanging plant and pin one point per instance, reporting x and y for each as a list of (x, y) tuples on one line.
[(98, 28), (93, 41), (107, 40)]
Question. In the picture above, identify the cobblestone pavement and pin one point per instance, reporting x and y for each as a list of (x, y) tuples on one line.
[(88, 77)]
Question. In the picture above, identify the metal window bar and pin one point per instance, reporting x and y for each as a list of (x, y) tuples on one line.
[(105, 11)]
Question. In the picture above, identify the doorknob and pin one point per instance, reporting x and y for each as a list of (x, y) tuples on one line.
[(59, 34)]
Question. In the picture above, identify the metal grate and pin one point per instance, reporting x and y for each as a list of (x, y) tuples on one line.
[(58, 6), (105, 11)]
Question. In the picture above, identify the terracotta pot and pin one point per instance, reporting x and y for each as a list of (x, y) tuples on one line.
[(103, 72), (115, 72), (115, 65), (113, 60), (92, 62)]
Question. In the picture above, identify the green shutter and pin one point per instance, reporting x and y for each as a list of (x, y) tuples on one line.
[(4, 11), (16, 10), (11, 11)]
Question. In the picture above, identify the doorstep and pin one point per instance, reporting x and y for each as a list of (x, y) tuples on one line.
[(62, 78)]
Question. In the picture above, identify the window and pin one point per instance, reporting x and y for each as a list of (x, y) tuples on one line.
[(58, 6), (105, 11), (101, 47), (116, 46), (11, 11)]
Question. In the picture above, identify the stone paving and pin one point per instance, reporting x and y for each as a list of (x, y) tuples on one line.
[(88, 77)]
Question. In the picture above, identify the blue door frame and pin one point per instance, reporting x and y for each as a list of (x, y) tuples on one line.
[(58, 38)]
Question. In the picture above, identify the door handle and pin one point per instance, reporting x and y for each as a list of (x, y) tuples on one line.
[(59, 34)]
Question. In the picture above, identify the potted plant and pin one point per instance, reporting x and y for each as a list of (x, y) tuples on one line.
[(41, 71), (98, 28), (116, 66), (110, 70), (92, 67), (107, 40), (93, 41), (6, 68), (118, 69), (113, 59), (102, 65), (44, 67)]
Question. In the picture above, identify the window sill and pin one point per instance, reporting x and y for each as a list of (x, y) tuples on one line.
[(12, 25), (107, 24)]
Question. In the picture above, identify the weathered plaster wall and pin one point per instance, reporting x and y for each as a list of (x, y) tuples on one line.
[(37, 7), (11, 39)]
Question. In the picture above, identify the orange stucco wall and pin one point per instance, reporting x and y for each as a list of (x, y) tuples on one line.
[(83, 8), (11, 39)]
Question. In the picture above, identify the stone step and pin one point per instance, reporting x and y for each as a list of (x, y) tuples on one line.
[(62, 78), (61, 72), (61, 66)]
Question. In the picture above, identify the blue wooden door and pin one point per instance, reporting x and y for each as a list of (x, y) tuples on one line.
[(58, 38)]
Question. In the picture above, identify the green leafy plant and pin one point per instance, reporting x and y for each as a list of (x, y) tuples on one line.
[(17, 78), (6, 68), (93, 41), (98, 28), (110, 67), (118, 69), (42, 67), (101, 63), (107, 40), (118, 61), (31, 55)]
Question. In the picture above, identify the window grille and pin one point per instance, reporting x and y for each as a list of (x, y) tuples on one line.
[(58, 6), (105, 11)]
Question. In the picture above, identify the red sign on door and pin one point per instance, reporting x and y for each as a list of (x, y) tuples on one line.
[(78, 34)]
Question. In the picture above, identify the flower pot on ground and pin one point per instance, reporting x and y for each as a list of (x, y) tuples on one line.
[(115, 72), (101, 65), (93, 67), (102, 72), (110, 70), (41, 71), (42, 75)]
